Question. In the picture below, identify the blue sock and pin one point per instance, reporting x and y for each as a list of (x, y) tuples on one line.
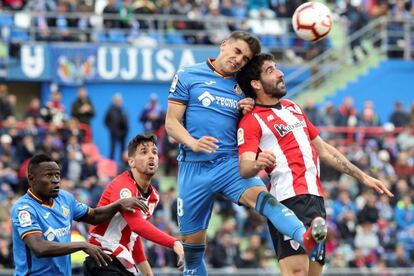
[(282, 218), (194, 259)]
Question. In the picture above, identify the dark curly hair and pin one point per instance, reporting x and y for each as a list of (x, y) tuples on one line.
[(138, 140), (251, 71)]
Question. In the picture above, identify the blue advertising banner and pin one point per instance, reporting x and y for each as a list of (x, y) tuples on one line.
[(104, 63)]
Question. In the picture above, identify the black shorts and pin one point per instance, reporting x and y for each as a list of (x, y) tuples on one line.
[(90, 268), (306, 208)]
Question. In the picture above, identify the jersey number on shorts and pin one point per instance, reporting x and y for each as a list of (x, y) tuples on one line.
[(180, 207)]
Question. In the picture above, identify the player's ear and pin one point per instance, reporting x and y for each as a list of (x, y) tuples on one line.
[(256, 84), (131, 162)]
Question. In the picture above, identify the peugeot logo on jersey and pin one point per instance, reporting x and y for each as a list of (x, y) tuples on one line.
[(206, 99)]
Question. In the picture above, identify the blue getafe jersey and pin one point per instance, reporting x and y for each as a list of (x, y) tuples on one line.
[(53, 222), (212, 108)]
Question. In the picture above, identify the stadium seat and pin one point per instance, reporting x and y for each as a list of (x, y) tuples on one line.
[(101, 37), (6, 20), (175, 38), (116, 36), (19, 35)]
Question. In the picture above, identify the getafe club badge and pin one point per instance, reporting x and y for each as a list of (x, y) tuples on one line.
[(65, 211), (125, 193), (238, 90)]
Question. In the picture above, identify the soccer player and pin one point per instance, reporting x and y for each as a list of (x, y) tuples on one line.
[(203, 113), (279, 130), (42, 222), (121, 236)]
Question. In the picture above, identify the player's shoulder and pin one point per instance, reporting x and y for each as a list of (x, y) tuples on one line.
[(192, 69), (287, 102), (124, 179), (24, 203), (65, 194)]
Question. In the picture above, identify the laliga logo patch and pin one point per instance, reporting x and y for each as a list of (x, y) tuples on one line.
[(240, 136), (125, 193), (174, 84), (294, 244), (65, 211), (24, 219)]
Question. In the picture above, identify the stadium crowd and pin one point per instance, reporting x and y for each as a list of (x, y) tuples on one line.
[(365, 229), (176, 22)]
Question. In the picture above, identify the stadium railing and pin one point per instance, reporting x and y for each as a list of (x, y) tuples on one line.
[(385, 35)]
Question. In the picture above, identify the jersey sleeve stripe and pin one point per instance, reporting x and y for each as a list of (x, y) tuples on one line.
[(30, 232), (175, 101)]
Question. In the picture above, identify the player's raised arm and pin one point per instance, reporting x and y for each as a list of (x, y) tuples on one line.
[(105, 213), (176, 130), (331, 156)]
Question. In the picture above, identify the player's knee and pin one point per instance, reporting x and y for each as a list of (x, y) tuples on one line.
[(299, 269), (250, 196)]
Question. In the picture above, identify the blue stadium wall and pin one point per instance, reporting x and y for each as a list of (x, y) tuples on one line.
[(104, 70)]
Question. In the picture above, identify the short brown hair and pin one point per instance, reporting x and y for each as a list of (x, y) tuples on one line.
[(251, 40), (138, 140)]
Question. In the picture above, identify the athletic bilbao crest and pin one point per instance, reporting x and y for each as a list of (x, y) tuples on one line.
[(294, 244)]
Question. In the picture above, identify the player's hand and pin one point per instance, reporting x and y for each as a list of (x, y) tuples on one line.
[(129, 204), (207, 144), (265, 159), (246, 105), (179, 250), (97, 253), (377, 185)]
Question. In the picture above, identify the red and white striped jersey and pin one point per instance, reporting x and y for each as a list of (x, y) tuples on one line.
[(118, 234), (285, 130)]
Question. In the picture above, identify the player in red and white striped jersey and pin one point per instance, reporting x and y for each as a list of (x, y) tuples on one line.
[(277, 136), (121, 236)]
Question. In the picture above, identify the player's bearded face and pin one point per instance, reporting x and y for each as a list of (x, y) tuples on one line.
[(272, 80), (146, 159), (276, 89)]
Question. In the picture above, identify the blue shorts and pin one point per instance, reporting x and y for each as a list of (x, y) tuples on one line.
[(197, 184)]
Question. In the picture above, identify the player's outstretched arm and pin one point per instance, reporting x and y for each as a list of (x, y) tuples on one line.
[(177, 131), (331, 156), (105, 213), (43, 248), (249, 166)]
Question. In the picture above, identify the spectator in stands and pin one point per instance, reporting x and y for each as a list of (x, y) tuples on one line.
[(111, 11), (225, 251), (346, 225), (342, 204), (411, 115), (181, 7), (405, 139), (54, 112), (259, 9), (404, 213), (400, 258), (312, 112), (116, 120), (126, 14), (398, 117), (61, 23), (145, 7), (6, 256), (357, 19), (5, 107), (196, 23), (33, 110), (369, 118), (82, 107), (369, 212), (153, 116), (349, 115), (216, 25)]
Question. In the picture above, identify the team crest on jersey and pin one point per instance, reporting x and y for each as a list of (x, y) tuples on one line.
[(294, 244), (65, 211), (240, 136), (238, 90), (174, 84), (125, 193), (24, 219)]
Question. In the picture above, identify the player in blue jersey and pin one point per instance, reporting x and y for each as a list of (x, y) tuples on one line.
[(203, 113), (42, 222)]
